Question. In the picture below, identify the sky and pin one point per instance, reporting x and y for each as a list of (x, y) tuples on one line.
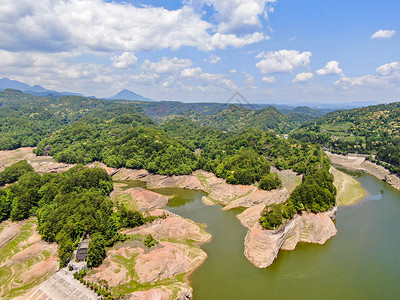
[(271, 51)]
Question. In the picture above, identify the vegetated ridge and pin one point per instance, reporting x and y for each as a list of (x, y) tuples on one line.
[(373, 130)]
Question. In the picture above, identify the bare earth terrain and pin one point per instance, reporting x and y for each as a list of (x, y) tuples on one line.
[(25, 260)]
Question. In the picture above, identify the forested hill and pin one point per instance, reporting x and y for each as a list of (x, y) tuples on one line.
[(230, 117), (370, 130), (236, 118), (27, 119)]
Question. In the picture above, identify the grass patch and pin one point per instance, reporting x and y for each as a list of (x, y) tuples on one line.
[(349, 190)]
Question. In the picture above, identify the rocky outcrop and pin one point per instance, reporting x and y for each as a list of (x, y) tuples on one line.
[(168, 261), (176, 291), (155, 181), (144, 199), (251, 215), (172, 227), (262, 246), (130, 263), (41, 164), (232, 196), (110, 171), (257, 196)]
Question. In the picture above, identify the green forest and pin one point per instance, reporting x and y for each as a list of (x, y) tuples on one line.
[(373, 130)]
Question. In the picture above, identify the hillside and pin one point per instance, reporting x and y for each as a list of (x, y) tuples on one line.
[(26, 119), (371, 130), (235, 118)]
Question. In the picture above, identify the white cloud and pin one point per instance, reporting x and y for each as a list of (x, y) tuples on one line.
[(222, 41), (364, 81), (191, 72), (388, 69), (97, 25), (383, 34), (248, 81), (303, 77), (213, 59), (125, 60), (269, 79), (282, 61), (332, 67), (236, 16), (233, 71), (166, 65)]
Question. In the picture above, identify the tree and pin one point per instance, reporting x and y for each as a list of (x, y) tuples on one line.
[(96, 251), (270, 181)]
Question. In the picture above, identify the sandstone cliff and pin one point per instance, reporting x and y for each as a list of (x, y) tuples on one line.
[(262, 246)]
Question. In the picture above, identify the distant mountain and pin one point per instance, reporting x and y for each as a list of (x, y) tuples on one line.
[(129, 95), (302, 110), (6, 83), (35, 90)]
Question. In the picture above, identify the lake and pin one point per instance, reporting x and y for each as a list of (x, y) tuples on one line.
[(361, 262)]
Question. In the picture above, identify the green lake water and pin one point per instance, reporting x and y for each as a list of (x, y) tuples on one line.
[(361, 262)]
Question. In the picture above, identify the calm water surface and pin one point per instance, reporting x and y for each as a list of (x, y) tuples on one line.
[(361, 262)]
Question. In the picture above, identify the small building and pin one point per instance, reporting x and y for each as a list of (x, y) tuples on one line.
[(81, 253)]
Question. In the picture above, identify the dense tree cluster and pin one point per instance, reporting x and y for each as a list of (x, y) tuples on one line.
[(15, 171), (69, 206), (316, 193), (270, 181)]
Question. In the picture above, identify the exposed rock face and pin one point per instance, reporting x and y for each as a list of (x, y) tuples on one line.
[(262, 246), (257, 196), (250, 216), (155, 181), (360, 163), (168, 261), (25, 259), (145, 199), (182, 292), (41, 164), (10, 231), (172, 227), (232, 196), (110, 171)]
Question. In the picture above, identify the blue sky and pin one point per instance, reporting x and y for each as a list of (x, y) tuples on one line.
[(272, 51)]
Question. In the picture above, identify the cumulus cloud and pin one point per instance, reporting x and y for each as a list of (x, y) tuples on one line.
[(238, 15), (213, 59), (222, 41), (388, 76), (363, 81), (233, 71), (388, 69), (125, 60), (110, 26), (383, 34), (282, 61), (191, 72), (166, 65), (332, 67), (303, 77), (269, 79)]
